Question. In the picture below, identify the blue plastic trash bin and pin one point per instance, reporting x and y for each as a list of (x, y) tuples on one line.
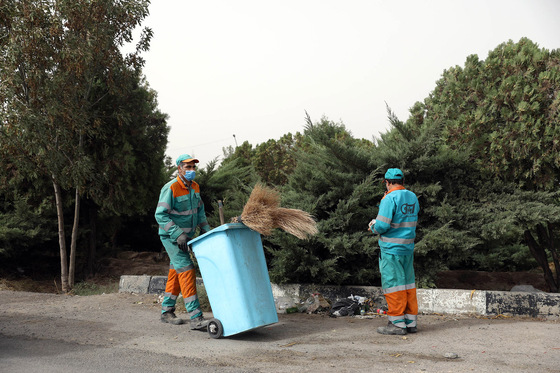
[(233, 268)]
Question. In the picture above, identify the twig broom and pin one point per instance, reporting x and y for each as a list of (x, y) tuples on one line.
[(262, 213)]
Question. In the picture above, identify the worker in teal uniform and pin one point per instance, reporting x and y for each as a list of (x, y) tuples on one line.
[(179, 212), (396, 224)]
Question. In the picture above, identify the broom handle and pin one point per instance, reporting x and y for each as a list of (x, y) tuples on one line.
[(221, 211)]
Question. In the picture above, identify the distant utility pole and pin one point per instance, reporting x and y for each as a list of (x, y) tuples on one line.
[(235, 140)]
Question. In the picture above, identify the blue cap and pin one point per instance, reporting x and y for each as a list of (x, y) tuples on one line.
[(394, 174), (185, 158)]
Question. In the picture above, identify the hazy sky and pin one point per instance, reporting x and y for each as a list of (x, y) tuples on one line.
[(253, 67)]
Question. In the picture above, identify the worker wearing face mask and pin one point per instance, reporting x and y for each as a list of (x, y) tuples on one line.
[(179, 212)]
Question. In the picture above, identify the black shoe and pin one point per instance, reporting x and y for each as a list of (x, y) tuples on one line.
[(170, 318), (391, 329), (411, 329), (199, 323)]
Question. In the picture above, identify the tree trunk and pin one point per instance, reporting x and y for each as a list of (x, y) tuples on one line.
[(72, 269), (61, 238), (539, 252), (553, 247), (92, 238)]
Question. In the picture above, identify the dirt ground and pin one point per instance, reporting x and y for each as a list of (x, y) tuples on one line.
[(121, 332)]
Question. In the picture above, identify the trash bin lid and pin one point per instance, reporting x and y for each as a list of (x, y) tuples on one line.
[(220, 228)]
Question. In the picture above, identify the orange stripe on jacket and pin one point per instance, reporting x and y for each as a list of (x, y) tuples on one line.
[(179, 188)]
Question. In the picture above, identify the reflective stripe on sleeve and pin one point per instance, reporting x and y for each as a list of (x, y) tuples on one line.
[(406, 224), (383, 219), (168, 226), (165, 205)]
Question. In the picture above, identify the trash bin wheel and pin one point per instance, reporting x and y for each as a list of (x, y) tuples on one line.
[(215, 328)]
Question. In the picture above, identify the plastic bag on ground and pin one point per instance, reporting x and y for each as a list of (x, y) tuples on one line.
[(345, 307), (284, 304), (318, 303)]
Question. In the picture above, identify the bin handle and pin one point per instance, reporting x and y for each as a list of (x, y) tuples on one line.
[(221, 211)]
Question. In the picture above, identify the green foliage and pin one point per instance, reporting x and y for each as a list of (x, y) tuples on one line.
[(24, 225), (331, 181), (441, 178), (505, 109), (59, 62), (231, 183), (481, 153), (128, 151), (515, 257), (272, 160), (468, 219), (76, 112)]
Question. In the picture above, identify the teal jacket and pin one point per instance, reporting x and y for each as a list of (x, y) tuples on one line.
[(180, 210), (396, 221)]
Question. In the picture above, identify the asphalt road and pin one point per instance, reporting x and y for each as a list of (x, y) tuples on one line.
[(122, 333)]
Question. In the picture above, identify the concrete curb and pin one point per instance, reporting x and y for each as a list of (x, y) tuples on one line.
[(145, 284), (445, 301)]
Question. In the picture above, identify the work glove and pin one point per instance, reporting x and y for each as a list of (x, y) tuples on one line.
[(182, 242)]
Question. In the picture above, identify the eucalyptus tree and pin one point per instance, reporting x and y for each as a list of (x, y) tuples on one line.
[(59, 59)]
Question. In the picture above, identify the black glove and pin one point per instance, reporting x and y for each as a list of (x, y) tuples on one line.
[(182, 242)]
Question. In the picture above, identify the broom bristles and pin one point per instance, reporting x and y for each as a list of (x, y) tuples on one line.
[(295, 222), (257, 211), (265, 196), (257, 217), (262, 213)]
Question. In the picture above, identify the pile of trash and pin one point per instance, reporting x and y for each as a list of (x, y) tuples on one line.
[(316, 303), (352, 306), (355, 305)]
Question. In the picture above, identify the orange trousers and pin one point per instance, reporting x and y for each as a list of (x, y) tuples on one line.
[(399, 288), (180, 279)]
